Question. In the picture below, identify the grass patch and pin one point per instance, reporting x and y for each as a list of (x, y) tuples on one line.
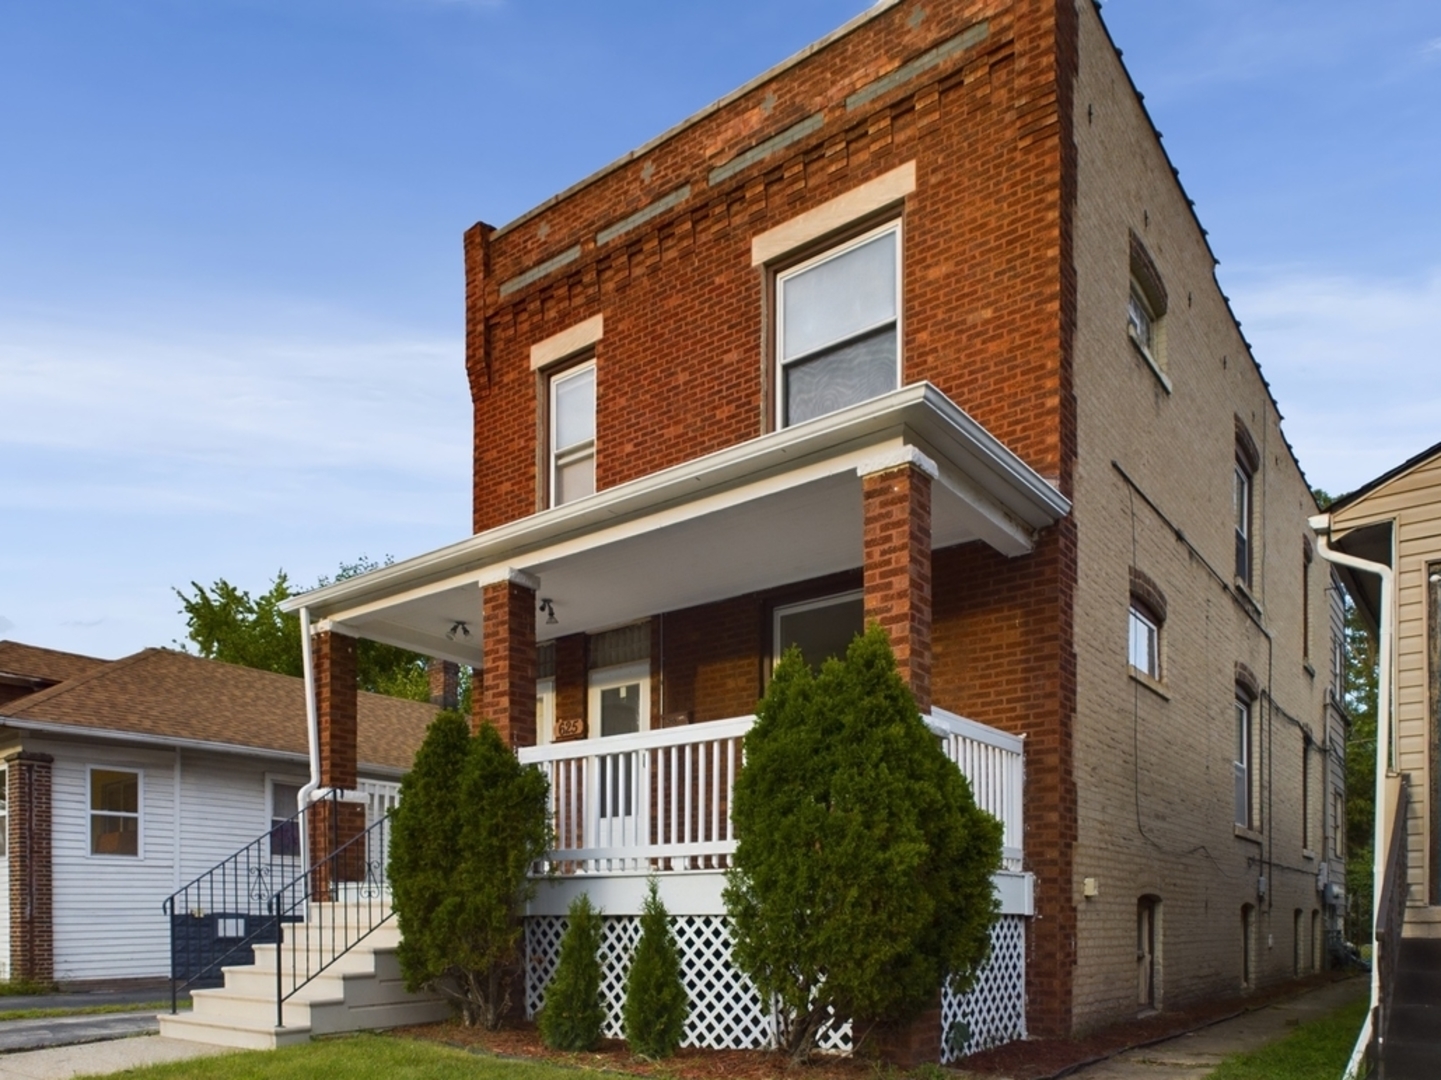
[(1316, 1049), (82, 1010), (24, 988), (359, 1057)]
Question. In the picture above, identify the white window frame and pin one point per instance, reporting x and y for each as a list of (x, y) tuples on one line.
[(139, 815), (557, 456), (835, 251), (545, 710), (1242, 760), (1142, 323), (271, 779), (1139, 613), (777, 650), (4, 812), (1242, 502), (610, 678)]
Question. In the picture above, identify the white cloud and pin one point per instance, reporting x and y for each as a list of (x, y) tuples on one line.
[(1355, 364), (1432, 49)]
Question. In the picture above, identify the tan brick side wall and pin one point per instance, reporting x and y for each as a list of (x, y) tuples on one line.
[(1154, 769), (686, 312)]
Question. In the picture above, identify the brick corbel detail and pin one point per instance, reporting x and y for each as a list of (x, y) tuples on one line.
[(896, 517), (336, 700), (32, 925), (507, 682)]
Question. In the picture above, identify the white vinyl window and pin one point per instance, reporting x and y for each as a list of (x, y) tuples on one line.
[(1242, 508), (572, 434), (1243, 761), (4, 811), (284, 825), (819, 628), (838, 333), (114, 812), (1145, 641)]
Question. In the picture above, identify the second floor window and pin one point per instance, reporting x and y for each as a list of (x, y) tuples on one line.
[(572, 434), (1243, 759), (1145, 640), (1242, 504), (838, 338)]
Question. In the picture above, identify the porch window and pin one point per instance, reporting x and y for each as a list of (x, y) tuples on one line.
[(572, 434), (4, 810), (114, 812), (284, 826), (838, 339), (819, 628)]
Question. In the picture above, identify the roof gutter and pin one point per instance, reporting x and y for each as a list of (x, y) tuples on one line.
[(1384, 741)]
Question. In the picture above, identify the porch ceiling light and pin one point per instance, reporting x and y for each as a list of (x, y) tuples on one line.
[(457, 628), (547, 605)]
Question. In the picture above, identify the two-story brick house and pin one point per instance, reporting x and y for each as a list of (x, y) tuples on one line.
[(919, 327)]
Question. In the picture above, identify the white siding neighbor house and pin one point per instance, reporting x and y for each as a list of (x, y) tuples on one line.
[(129, 780)]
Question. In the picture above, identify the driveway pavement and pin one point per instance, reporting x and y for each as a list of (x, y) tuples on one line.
[(1196, 1055), (69, 1030)]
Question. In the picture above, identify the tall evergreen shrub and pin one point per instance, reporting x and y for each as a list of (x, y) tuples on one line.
[(862, 874), (574, 1015), (470, 822), (655, 997)]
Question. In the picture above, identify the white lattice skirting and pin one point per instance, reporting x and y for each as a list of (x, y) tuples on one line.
[(726, 1012)]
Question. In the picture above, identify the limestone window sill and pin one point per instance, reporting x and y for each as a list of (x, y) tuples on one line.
[(1145, 354), (1155, 686), (1243, 833)]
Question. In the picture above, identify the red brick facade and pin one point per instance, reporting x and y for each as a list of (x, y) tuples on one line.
[(337, 702), (32, 897), (896, 524), (507, 690), (989, 305)]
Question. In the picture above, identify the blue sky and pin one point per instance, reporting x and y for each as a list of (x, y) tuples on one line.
[(230, 265)]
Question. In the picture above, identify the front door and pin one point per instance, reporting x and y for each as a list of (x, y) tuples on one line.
[(619, 705)]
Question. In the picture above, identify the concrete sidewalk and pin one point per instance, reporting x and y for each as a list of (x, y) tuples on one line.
[(98, 1058), (1195, 1055)]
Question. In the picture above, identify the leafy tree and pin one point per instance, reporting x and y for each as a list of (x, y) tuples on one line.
[(655, 997), (1361, 698), (470, 823), (863, 869), (574, 1014), (226, 623)]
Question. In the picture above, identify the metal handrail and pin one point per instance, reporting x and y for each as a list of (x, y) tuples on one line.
[(228, 910), (344, 897)]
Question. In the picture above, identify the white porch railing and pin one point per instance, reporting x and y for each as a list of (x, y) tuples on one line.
[(659, 801), (994, 762)]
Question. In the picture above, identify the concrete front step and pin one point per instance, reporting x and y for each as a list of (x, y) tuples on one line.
[(1422, 922), (360, 989)]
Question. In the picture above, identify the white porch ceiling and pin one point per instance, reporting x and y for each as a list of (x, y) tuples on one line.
[(780, 509)]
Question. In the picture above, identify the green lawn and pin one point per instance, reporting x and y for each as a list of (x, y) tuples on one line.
[(82, 1010), (1320, 1048), (362, 1057)]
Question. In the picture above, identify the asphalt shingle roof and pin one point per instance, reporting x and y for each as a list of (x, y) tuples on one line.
[(51, 665)]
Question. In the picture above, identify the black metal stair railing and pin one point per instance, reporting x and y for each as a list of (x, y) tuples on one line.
[(339, 901), (218, 918)]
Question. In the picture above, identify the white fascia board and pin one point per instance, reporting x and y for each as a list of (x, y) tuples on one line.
[(921, 408), (168, 742)]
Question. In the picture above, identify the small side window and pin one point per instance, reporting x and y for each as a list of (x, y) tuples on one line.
[(1145, 647), (1146, 310), (284, 824), (114, 812)]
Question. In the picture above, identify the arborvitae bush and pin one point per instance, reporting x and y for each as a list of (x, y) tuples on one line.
[(574, 1015), (470, 822), (862, 875), (655, 998)]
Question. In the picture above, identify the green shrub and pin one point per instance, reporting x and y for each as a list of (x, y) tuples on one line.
[(574, 1014), (862, 875), (655, 998), (470, 822)]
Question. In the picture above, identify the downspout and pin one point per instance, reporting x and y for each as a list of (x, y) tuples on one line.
[(1381, 842), (312, 722)]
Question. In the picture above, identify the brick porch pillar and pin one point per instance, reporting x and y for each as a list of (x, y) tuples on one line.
[(444, 678), (507, 679), (32, 927), (332, 824), (896, 516)]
